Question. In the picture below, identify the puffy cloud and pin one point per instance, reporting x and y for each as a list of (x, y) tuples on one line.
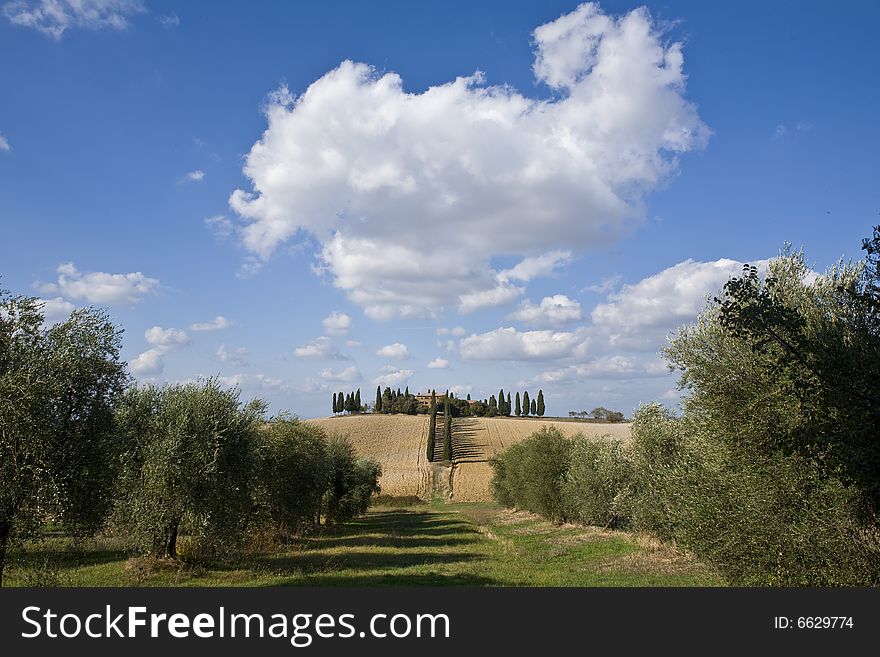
[(397, 350), (606, 285), (370, 169), (393, 377), (4, 143), (238, 356), (99, 287), (217, 324), (532, 267), (56, 310), (53, 17), (500, 295), (337, 323), (640, 315), (552, 311), (347, 375), (164, 341), (194, 176), (607, 367), (510, 344), (321, 347), (438, 364)]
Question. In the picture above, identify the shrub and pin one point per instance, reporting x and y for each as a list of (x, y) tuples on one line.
[(291, 474), (351, 482), (598, 483), (529, 474)]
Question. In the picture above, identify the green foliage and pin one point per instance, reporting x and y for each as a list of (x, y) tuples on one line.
[(350, 484), (526, 408), (432, 427), (530, 474), (447, 429), (291, 474), (58, 450), (377, 408), (190, 460), (534, 408), (539, 406), (598, 483), (518, 407)]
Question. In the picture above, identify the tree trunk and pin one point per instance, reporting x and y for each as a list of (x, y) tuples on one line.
[(171, 542), (5, 531)]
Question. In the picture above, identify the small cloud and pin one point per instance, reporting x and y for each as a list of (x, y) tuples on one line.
[(194, 176), (169, 21), (99, 287), (393, 377), (249, 268), (604, 286), (353, 344), (438, 364), (220, 225), (321, 347), (397, 350), (347, 375), (337, 323), (217, 324), (52, 17), (163, 341), (238, 356), (4, 143)]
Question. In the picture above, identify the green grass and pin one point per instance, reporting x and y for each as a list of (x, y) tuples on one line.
[(430, 544)]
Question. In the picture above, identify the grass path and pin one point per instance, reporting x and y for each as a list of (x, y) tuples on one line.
[(438, 544)]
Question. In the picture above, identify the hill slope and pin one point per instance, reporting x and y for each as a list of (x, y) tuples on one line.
[(399, 442)]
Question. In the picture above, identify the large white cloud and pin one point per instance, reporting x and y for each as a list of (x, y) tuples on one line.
[(100, 287), (413, 194), (640, 315), (53, 17), (511, 344)]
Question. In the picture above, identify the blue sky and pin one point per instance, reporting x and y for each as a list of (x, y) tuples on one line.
[(544, 224)]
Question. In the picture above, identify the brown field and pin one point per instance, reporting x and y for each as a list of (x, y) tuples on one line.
[(398, 442)]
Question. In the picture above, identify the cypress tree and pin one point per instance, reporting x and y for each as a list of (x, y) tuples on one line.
[(432, 427), (406, 392), (493, 404), (534, 408), (334, 402), (378, 407), (501, 402), (469, 397), (447, 430), (526, 407), (340, 402), (357, 401), (540, 407), (507, 406), (518, 407)]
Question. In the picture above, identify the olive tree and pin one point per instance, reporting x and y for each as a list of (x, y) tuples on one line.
[(58, 387), (190, 460)]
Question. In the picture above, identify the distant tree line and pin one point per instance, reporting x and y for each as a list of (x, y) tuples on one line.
[(599, 413), (348, 403)]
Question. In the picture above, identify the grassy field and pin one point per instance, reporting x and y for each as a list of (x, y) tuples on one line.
[(399, 443), (422, 544)]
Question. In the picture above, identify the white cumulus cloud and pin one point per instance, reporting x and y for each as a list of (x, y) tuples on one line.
[(53, 17), (194, 176), (321, 347), (336, 323), (511, 344), (398, 350), (217, 324), (552, 311), (163, 341), (370, 169), (4, 143), (56, 310), (346, 375), (100, 287), (438, 364), (640, 315), (239, 356), (393, 377)]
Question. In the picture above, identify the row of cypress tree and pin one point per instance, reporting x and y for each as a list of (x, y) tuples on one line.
[(348, 403)]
